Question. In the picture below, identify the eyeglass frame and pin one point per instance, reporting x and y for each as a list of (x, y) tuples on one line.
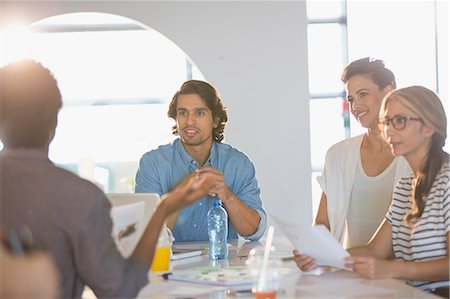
[(385, 122)]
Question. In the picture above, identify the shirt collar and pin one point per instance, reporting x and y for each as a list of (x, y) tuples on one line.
[(212, 155), (188, 160), (34, 153)]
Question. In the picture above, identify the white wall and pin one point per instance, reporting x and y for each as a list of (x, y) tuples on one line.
[(255, 53), (443, 25)]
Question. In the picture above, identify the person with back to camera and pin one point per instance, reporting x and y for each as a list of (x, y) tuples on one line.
[(68, 217), (200, 121), (413, 240), (357, 167)]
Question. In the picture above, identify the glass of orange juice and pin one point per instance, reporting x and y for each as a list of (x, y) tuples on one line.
[(265, 282), (161, 260)]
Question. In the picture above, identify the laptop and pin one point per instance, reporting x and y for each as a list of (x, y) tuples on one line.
[(130, 213)]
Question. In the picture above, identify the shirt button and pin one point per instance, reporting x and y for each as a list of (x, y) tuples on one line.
[(199, 203), (195, 225)]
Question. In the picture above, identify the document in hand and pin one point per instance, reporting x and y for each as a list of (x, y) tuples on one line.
[(315, 241)]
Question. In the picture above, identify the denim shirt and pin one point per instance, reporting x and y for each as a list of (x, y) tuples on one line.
[(162, 169)]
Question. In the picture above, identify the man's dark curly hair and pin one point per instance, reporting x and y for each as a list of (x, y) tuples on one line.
[(211, 97)]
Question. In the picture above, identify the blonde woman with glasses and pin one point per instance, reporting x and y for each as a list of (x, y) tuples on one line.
[(412, 242)]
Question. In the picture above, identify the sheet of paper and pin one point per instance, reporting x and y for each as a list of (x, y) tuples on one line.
[(315, 241), (229, 276), (126, 221)]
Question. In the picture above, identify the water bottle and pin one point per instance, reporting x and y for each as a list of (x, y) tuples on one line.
[(217, 231)]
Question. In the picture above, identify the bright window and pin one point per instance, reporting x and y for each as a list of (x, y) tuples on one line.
[(325, 57), (116, 78), (404, 34)]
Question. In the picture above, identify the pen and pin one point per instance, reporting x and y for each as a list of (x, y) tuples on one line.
[(165, 276), (15, 244), (21, 241), (287, 258)]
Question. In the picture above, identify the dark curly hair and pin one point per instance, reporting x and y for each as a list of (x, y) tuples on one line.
[(211, 97), (29, 104), (372, 68)]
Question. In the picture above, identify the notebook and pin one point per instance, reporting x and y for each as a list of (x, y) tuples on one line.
[(130, 214), (178, 254)]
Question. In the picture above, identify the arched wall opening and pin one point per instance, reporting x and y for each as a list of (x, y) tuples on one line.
[(116, 77), (259, 67)]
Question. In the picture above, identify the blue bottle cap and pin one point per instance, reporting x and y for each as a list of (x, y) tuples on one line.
[(217, 203)]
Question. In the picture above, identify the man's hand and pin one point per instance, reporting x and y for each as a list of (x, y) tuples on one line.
[(190, 189), (220, 188), (30, 276), (244, 219)]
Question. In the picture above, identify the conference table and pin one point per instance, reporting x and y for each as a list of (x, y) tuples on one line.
[(322, 283)]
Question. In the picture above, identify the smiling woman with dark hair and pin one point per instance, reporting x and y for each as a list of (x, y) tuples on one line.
[(360, 172)]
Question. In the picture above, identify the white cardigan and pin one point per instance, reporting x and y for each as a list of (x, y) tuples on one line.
[(337, 179)]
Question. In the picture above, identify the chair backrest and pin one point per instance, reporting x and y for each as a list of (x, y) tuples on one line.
[(131, 213)]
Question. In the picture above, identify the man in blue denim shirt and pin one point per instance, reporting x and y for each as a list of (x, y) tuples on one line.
[(200, 121)]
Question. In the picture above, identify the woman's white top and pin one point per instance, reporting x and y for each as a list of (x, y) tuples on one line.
[(369, 200), (338, 177)]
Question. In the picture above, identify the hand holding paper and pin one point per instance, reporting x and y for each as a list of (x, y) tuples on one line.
[(316, 242)]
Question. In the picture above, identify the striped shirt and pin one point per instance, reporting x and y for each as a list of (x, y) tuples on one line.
[(424, 238)]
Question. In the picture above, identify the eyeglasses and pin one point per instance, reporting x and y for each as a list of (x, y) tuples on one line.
[(398, 122)]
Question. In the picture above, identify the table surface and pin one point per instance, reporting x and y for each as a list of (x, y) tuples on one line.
[(324, 283)]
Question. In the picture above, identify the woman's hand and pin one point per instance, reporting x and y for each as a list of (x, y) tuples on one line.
[(369, 267), (304, 262)]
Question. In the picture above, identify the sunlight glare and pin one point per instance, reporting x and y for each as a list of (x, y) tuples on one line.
[(15, 43)]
